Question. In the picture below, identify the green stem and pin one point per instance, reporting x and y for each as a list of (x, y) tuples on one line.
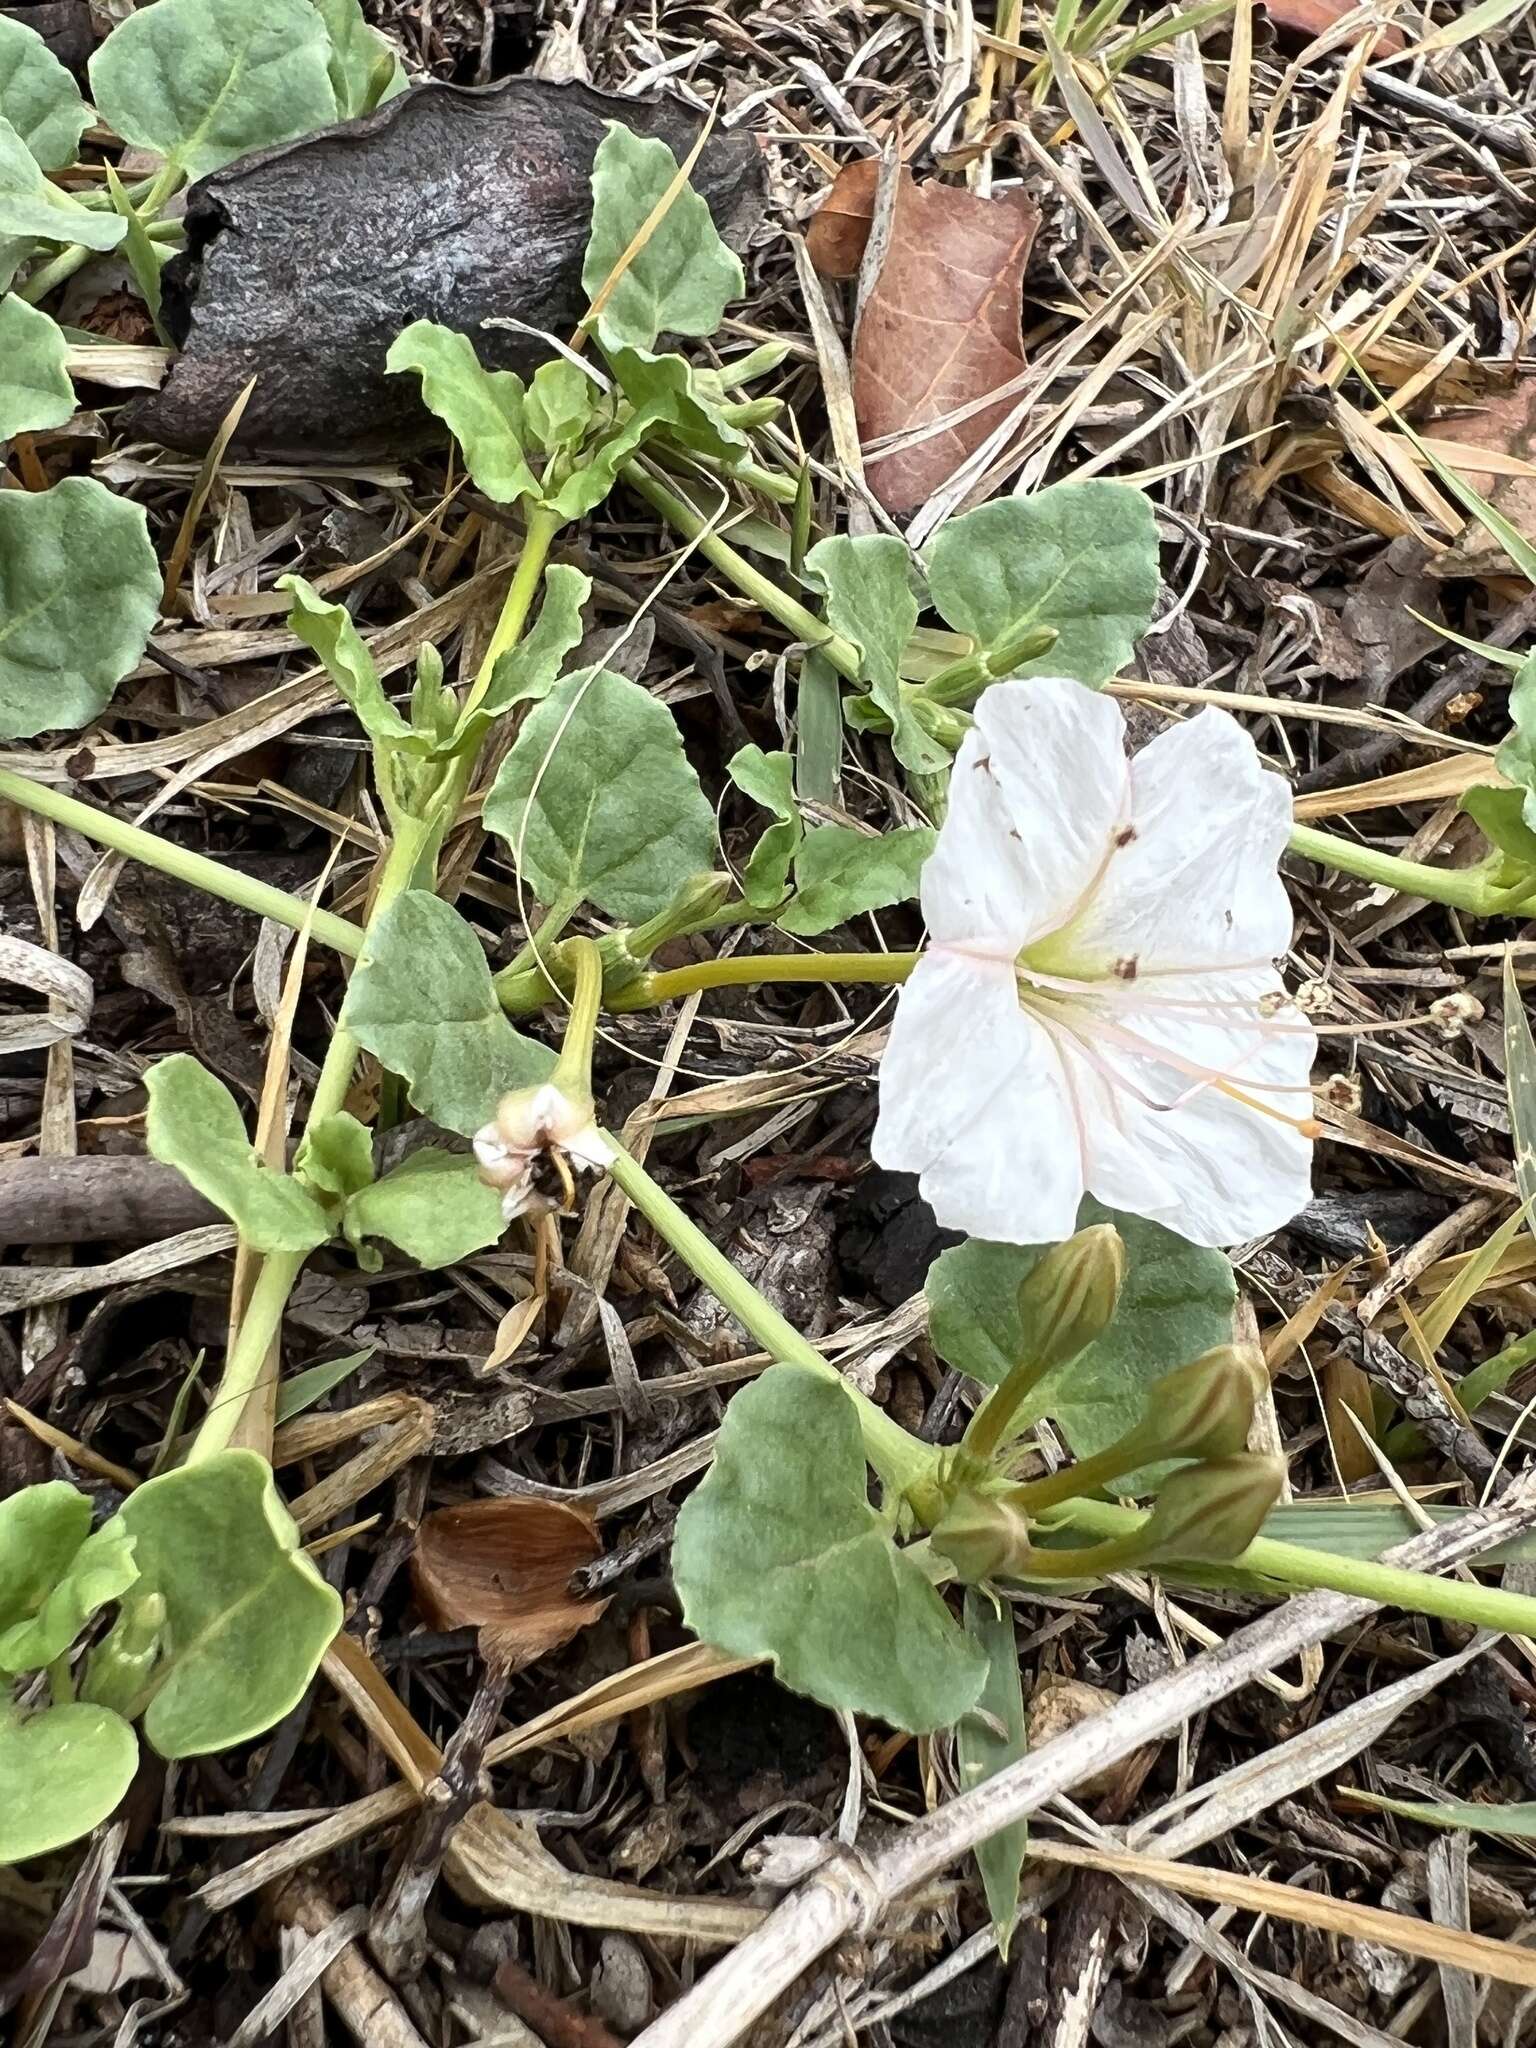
[(1462, 888), (899, 1458), (757, 967), (573, 1070), (211, 876), (762, 590), (1292, 1564), (279, 1270), (521, 591), (54, 273)]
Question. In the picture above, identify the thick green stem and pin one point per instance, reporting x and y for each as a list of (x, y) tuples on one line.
[(884, 968), (1462, 888), (57, 271), (573, 1069), (769, 596), (1292, 1564), (279, 1270), (516, 605), (899, 1458), (211, 876)]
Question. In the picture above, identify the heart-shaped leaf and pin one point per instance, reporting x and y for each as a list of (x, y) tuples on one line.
[(1176, 1302), (41, 1528), (1081, 558), (682, 278), (246, 1618), (205, 81), (39, 98), (597, 799), (778, 1553), (195, 1125), (79, 587), (434, 1206), (423, 1003), (481, 408), (61, 1774)]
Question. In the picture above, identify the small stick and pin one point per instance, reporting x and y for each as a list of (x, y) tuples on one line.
[(398, 1933)]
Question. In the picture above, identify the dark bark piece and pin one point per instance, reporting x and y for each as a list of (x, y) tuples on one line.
[(450, 203), (110, 1197), (64, 25)]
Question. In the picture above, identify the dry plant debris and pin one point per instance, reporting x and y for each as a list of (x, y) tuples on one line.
[(1266, 268)]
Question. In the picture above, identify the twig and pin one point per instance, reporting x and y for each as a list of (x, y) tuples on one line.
[(848, 1894), (398, 1934)]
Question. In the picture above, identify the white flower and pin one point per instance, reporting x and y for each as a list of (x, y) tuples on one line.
[(534, 1126), (1098, 1009)]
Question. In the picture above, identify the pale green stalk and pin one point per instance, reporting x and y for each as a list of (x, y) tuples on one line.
[(1468, 889), (757, 968), (1292, 1564), (900, 1459), (752, 583), (211, 876), (279, 1270)]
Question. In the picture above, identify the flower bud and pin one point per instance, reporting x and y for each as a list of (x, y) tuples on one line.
[(1210, 1513), (530, 1125), (983, 1536), (1204, 1409), (1070, 1295)]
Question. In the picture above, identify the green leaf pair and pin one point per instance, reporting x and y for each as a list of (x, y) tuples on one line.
[(221, 1624), (839, 873), (433, 1206)]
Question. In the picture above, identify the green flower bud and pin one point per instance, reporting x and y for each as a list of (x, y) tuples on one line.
[(1210, 1513), (121, 1667), (1070, 1295)]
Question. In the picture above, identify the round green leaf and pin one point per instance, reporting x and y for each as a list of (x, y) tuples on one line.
[(247, 1616), (434, 1206), (35, 390), (41, 1528), (39, 98), (32, 209), (61, 1774), (204, 81), (778, 1553), (79, 587)]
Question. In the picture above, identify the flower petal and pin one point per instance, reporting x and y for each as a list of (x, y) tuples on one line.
[(1039, 788), (972, 1101), (1190, 1154), (1198, 885)]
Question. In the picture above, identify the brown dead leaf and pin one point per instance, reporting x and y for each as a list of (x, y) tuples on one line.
[(941, 328), (504, 1567), (836, 236), (1312, 17), (1504, 425)]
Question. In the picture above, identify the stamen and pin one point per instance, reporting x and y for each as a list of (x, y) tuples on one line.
[(1203, 1077)]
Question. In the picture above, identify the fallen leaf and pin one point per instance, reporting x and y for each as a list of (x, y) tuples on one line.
[(504, 1567), (940, 329), (1504, 425), (1312, 17), (836, 237)]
